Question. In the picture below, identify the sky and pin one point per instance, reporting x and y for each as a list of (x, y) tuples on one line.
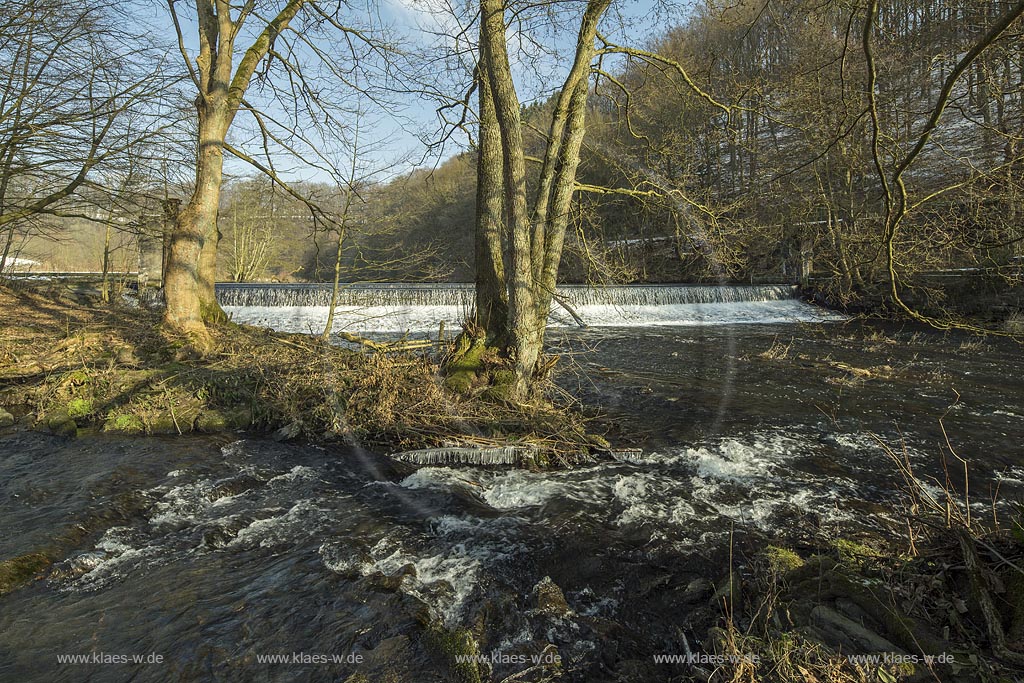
[(393, 134)]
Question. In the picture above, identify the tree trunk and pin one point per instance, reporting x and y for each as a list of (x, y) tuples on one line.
[(336, 286), (171, 209), (142, 277), (522, 314), (565, 178), (192, 264), (211, 310), (342, 230), (491, 290), (8, 241), (105, 280), (535, 241)]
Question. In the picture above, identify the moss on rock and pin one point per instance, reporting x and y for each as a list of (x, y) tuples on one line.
[(77, 378), (458, 649), (468, 367), (124, 423), (80, 408), (782, 560), (212, 420), (854, 552), (20, 570)]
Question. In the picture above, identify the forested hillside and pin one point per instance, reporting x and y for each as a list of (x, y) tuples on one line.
[(773, 174), (765, 160)]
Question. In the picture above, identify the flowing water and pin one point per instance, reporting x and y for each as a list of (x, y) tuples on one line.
[(419, 309), (215, 553)]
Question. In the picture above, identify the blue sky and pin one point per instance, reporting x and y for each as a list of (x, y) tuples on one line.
[(397, 129)]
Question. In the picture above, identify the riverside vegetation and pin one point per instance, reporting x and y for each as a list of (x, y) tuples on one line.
[(940, 598), (69, 364)]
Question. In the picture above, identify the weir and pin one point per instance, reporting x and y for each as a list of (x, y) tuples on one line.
[(462, 294)]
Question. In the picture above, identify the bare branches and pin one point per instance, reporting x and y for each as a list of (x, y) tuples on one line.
[(663, 62), (897, 203), (77, 96)]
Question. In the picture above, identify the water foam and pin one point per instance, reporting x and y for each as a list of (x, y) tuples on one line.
[(280, 529), (426, 319), (443, 581), (748, 479)]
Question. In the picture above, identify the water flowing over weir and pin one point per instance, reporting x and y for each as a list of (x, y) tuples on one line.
[(462, 294), (421, 307)]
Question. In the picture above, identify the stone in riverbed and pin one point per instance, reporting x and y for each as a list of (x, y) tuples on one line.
[(850, 635), (6, 419), (728, 592), (697, 590), (78, 565), (549, 598), (61, 424), (392, 582)]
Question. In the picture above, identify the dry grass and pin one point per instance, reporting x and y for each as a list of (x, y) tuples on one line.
[(119, 369), (777, 351), (944, 581)]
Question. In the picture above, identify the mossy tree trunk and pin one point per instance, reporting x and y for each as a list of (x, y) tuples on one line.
[(191, 268), (534, 239), (491, 288)]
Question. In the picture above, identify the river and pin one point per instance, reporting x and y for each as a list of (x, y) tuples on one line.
[(217, 553)]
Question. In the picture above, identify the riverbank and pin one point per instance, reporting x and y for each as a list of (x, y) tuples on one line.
[(940, 599), (71, 365), (991, 299)]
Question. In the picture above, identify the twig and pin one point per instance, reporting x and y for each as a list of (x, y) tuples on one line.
[(170, 406)]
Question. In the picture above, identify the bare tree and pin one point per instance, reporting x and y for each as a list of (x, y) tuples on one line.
[(274, 42), (250, 216), (536, 234), (69, 79), (349, 196), (894, 165)]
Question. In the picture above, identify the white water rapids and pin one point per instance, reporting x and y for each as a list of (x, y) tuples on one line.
[(421, 309)]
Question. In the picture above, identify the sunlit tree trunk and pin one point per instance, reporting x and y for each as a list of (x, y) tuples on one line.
[(192, 253), (491, 289), (535, 240), (522, 342), (105, 278), (339, 252)]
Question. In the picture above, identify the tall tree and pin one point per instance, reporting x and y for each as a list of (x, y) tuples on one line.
[(307, 60), (536, 234), (190, 272), (491, 290)]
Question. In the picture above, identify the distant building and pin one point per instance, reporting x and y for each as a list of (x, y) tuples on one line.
[(21, 265)]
